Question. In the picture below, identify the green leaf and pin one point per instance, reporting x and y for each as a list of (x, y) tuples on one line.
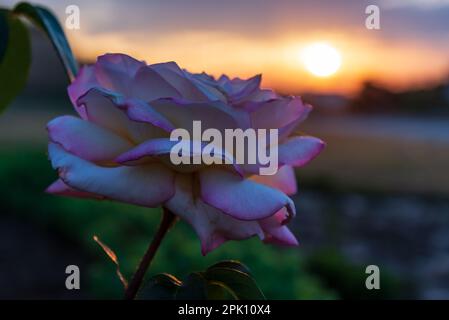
[(160, 287), (219, 291), (4, 32), (16, 60), (225, 280), (231, 264), (193, 288), (44, 19), (242, 284)]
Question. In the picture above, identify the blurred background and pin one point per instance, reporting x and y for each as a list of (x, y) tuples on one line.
[(378, 194)]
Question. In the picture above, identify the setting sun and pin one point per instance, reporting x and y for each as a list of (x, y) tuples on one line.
[(321, 59)]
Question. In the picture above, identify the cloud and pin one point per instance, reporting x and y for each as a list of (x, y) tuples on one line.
[(420, 4), (253, 34)]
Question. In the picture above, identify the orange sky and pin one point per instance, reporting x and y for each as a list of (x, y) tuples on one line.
[(397, 66), (244, 38)]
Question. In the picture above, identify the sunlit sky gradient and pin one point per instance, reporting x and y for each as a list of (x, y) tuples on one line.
[(246, 37)]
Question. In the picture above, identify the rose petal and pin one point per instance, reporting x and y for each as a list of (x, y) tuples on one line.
[(103, 112), (164, 146), (116, 71), (60, 188), (130, 118), (275, 114), (211, 93), (212, 226), (179, 79), (276, 232), (290, 128), (284, 180), (140, 111), (262, 95), (245, 88), (206, 78), (86, 139), (298, 151), (242, 198), (235, 85), (84, 81), (149, 85), (149, 185), (215, 115)]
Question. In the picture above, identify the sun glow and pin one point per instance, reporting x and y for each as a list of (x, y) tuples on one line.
[(321, 59)]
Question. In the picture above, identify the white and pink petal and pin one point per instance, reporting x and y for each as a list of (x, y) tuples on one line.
[(149, 85), (132, 119), (115, 72), (277, 113), (241, 198), (86, 139), (163, 148), (276, 231), (299, 150), (59, 187), (212, 226), (148, 185), (284, 180)]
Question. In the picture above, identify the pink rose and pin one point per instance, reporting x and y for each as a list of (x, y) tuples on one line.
[(118, 148)]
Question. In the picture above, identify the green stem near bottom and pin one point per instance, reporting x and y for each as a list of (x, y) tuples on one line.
[(168, 219)]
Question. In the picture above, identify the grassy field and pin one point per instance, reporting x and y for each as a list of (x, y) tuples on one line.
[(381, 154)]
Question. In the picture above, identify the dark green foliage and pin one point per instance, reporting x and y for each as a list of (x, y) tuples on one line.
[(348, 279), (15, 48), (160, 287), (127, 230), (4, 32), (15, 57), (224, 280), (46, 21)]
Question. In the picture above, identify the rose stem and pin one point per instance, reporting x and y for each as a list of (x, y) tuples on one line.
[(168, 219)]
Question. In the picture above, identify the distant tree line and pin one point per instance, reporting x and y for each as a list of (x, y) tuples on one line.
[(374, 98)]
